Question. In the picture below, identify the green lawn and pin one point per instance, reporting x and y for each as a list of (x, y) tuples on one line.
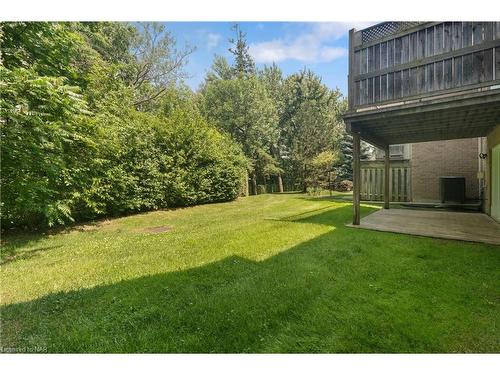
[(272, 273)]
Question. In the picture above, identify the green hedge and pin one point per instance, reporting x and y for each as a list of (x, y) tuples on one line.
[(61, 163)]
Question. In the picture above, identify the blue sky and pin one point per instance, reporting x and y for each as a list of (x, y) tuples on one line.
[(321, 47)]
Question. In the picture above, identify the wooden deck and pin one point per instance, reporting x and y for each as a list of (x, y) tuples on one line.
[(463, 226)]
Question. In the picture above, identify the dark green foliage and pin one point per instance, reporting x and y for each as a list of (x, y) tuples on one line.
[(344, 170), (242, 108), (310, 123), (73, 145), (45, 137), (165, 162), (47, 48), (95, 121)]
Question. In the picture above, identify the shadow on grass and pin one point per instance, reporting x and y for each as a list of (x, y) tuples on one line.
[(13, 253), (336, 196), (344, 291), (296, 192)]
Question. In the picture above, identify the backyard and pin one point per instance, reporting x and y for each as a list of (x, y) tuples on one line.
[(268, 273)]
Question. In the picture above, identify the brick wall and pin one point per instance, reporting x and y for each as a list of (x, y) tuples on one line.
[(429, 160)]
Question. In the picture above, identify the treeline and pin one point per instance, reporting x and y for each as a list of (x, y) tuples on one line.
[(96, 121), (290, 128)]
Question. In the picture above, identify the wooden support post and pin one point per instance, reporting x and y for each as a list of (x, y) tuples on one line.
[(387, 170), (356, 178)]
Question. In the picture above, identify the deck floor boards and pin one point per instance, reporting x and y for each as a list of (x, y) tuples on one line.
[(464, 226)]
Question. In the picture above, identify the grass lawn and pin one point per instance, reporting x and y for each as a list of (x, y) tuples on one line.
[(272, 273)]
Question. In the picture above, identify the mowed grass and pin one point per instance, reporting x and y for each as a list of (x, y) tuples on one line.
[(272, 273)]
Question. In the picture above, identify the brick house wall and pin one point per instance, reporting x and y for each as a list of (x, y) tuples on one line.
[(430, 160)]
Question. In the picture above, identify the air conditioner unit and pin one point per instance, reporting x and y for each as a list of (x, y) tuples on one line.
[(452, 189)]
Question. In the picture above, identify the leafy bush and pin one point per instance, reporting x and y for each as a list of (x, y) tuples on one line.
[(46, 138), (167, 162), (319, 173), (344, 185)]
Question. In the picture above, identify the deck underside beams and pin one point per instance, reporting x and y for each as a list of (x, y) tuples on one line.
[(466, 118)]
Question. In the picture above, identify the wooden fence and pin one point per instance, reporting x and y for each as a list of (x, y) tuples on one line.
[(372, 181)]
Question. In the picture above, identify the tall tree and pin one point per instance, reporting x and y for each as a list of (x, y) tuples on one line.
[(344, 168), (272, 76), (310, 120), (243, 61), (239, 102), (242, 108)]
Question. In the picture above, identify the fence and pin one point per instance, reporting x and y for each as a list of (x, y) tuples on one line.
[(372, 181)]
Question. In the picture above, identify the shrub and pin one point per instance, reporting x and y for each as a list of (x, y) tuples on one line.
[(46, 137), (149, 162), (344, 185)]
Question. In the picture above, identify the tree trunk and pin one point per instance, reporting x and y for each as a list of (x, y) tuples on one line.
[(279, 183), (254, 184), (304, 186), (245, 186)]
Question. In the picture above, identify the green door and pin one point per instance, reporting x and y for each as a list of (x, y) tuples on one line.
[(495, 183)]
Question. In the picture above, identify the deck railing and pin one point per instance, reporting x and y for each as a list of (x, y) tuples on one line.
[(394, 61), (372, 181)]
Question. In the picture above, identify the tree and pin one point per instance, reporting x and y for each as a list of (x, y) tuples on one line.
[(45, 136), (272, 77), (238, 102), (47, 48), (310, 122), (242, 108), (220, 69), (321, 168), (243, 62), (344, 169), (158, 63)]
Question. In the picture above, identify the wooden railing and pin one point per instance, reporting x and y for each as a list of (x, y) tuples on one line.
[(372, 181), (394, 61)]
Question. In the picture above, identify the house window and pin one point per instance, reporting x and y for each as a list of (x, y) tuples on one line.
[(396, 151)]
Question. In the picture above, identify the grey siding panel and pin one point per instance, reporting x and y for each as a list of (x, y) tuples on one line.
[(390, 86), (467, 34), (438, 39), (430, 41), (447, 36), (390, 53), (448, 73), (397, 85), (383, 55), (467, 78), (457, 36), (457, 72), (383, 87), (397, 51), (497, 63)]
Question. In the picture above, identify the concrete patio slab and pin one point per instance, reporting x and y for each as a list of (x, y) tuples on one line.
[(463, 226)]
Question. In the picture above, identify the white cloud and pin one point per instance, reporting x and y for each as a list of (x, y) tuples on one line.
[(213, 40), (332, 53), (311, 46), (335, 30)]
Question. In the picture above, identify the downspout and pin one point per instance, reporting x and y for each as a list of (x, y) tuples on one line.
[(481, 171)]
